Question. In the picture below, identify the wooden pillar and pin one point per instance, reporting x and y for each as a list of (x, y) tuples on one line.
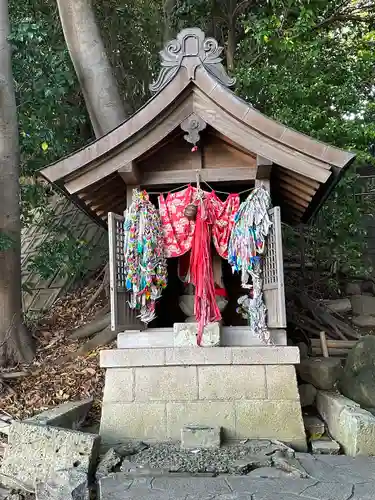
[(263, 175)]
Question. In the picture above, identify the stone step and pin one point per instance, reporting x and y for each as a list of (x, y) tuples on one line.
[(231, 336)]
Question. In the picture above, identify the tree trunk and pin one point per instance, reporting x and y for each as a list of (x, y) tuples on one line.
[(16, 345), (93, 69)]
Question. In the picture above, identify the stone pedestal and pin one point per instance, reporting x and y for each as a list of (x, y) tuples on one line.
[(251, 392), (185, 334)]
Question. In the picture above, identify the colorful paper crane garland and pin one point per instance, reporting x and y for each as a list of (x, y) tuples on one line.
[(246, 246), (145, 263)]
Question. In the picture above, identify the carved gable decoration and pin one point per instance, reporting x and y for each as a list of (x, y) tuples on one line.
[(193, 125), (191, 49)]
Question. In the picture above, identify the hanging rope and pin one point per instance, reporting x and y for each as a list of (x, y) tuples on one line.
[(145, 263), (246, 246)]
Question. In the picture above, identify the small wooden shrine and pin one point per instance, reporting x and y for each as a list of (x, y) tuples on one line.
[(196, 128)]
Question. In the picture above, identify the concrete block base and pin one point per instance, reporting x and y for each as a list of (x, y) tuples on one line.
[(251, 392), (200, 436), (351, 426)]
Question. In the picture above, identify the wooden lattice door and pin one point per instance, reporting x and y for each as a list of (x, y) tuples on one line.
[(273, 278), (122, 317)]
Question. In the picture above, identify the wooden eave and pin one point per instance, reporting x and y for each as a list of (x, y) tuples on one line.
[(305, 169)]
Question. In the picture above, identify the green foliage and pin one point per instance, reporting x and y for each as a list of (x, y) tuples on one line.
[(6, 242), (62, 251), (52, 117), (308, 63), (301, 67)]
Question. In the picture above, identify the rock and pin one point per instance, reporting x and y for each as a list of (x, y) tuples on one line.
[(364, 321), (303, 350), (248, 463), (4, 494), (352, 427), (368, 287), (322, 373), (34, 452), (67, 415), (269, 472), (339, 305), (288, 464), (108, 463), (68, 484), (357, 380), (136, 470), (363, 305), (353, 289), (131, 448), (325, 447), (195, 436), (314, 425), (307, 394)]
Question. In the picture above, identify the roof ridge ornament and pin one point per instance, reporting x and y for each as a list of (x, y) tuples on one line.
[(191, 50)]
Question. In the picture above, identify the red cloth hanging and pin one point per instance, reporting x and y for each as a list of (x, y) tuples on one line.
[(215, 219), (178, 231), (201, 273)]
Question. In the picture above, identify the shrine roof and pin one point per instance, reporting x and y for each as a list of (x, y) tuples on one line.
[(194, 86)]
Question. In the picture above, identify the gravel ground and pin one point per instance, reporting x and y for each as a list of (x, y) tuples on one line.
[(230, 459)]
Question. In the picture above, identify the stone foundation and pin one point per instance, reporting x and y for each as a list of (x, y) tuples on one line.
[(251, 392)]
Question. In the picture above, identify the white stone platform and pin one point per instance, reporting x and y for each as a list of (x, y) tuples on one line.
[(251, 392), (165, 337)]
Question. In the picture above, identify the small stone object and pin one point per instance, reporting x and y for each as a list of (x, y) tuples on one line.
[(357, 381), (107, 464), (269, 473), (67, 415), (339, 305), (34, 452), (185, 334), (131, 448), (363, 305), (364, 321), (325, 447), (63, 485), (314, 425), (200, 436), (322, 373), (307, 394), (248, 463)]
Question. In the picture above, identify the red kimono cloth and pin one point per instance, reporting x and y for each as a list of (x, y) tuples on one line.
[(180, 235)]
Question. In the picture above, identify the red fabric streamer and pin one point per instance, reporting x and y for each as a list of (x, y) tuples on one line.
[(201, 273)]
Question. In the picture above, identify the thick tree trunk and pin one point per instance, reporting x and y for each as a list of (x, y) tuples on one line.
[(15, 343), (93, 69)]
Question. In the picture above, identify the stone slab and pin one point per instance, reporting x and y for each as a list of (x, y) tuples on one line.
[(322, 373), (264, 355), (68, 484), (325, 447), (35, 451), (363, 305), (231, 336), (313, 425), (352, 427), (185, 334), (69, 415), (200, 436)]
